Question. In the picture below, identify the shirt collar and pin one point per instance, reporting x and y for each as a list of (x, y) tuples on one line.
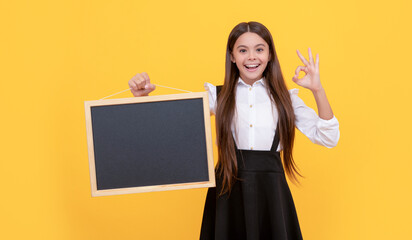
[(260, 81)]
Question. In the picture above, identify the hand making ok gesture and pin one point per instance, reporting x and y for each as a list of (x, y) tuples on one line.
[(311, 80)]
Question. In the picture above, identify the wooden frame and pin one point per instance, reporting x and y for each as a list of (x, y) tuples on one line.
[(173, 186)]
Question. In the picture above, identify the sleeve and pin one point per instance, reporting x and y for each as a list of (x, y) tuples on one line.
[(211, 89), (318, 130)]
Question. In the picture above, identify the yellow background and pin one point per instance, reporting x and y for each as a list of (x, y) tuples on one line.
[(57, 54)]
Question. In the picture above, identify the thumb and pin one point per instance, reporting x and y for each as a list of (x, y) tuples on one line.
[(150, 87)]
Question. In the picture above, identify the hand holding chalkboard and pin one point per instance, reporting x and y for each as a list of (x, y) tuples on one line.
[(140, 85)]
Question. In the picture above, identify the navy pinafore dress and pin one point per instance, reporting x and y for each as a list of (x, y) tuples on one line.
[(260, 205)]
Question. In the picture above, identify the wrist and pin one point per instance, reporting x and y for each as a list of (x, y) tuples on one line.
[(318, 90)]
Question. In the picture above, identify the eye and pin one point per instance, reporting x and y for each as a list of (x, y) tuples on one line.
[(242, 50), (260, 49)]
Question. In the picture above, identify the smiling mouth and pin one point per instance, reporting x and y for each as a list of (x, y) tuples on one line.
[(252, 67)]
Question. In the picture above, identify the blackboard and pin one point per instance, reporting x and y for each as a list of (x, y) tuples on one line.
[(152, 143)]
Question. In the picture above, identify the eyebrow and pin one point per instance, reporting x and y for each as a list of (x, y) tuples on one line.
[(260, 44)]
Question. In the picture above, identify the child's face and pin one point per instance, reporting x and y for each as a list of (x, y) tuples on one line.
[(251, 55)]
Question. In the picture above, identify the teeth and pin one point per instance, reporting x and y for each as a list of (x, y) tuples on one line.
[(250, 66)]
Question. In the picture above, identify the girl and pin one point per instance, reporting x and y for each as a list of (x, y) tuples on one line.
[(256, 118)]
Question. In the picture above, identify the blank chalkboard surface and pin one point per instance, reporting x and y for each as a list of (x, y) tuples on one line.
[(151, 143)]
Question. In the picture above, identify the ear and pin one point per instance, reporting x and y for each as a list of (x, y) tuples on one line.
[(232, 59)]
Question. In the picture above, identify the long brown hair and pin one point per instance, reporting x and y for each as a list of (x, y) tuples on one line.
[(227, 165)]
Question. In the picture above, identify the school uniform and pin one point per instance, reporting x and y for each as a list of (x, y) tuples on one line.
[(260, 205)]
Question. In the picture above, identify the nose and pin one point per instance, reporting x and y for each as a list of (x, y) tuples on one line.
[(251, 55)]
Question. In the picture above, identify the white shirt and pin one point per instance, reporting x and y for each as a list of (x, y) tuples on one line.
[(256, 117)]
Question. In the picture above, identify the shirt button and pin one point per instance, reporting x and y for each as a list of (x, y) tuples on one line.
[(251, 148), (251, 125), (250, 89), (250, 106)]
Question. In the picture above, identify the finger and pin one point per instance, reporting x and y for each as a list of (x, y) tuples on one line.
[(148, 89), (298, 69), (302, 58), (132, 85), (151, 87), (296, 79), (140, 82), (310, 56), (146, 77), (147, 80), (317, 61)]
